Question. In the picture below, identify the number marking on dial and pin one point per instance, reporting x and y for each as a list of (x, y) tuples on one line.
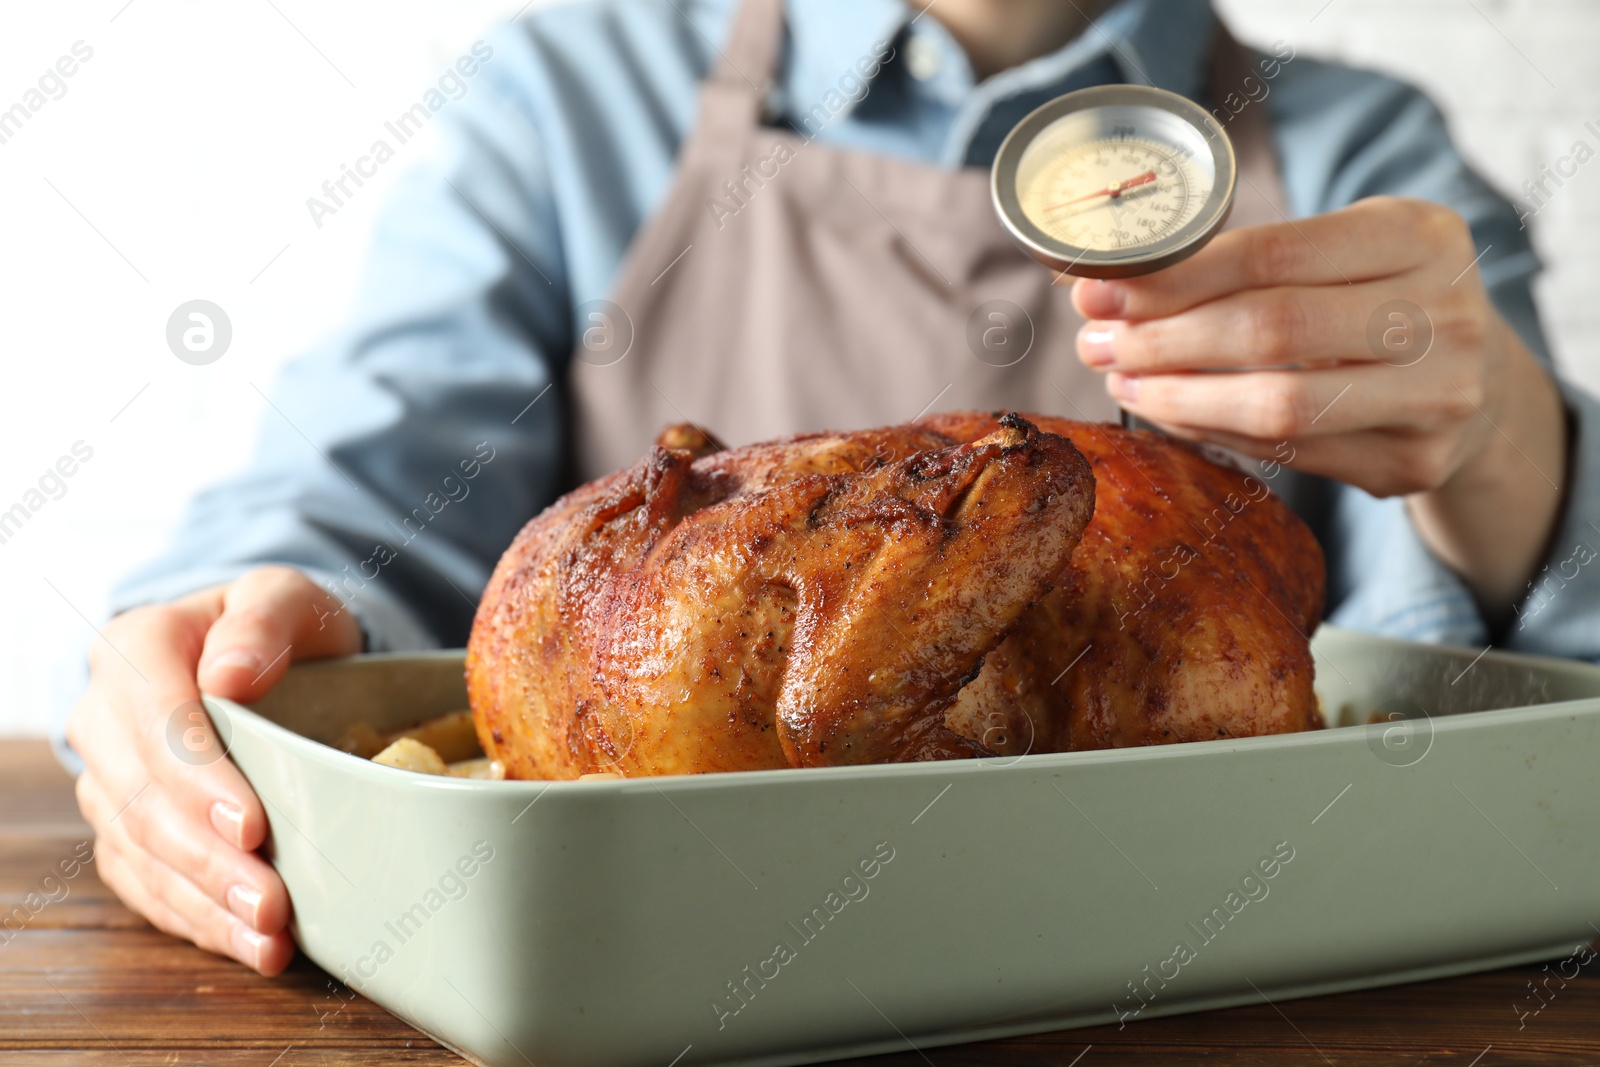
[(1114, 194)]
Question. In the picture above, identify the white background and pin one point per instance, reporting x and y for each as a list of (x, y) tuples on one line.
[(177, 166)]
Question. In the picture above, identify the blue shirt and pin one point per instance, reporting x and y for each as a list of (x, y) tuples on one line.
[(559, 147)]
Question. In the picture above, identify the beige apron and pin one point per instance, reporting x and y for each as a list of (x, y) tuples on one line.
[(836, 289)]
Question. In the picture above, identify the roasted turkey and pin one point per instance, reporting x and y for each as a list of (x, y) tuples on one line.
[(966, 585)]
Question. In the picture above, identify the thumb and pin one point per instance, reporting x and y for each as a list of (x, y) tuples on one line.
[(272, 617)]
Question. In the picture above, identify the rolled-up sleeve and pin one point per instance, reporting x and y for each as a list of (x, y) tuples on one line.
[(1344, 134), (1560, 612)]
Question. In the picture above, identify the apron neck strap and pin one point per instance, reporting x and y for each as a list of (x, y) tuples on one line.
[(749, 56), (735, 92)]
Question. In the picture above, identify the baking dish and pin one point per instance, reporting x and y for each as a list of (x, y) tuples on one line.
[(1444, 822)]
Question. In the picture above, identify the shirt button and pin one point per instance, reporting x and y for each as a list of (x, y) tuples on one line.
[(922, 57)]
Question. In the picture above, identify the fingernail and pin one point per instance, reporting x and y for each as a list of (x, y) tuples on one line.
[(229, 821), (248, 945), (1097, 345), (241, 658), (245, 903), (1123, 386)]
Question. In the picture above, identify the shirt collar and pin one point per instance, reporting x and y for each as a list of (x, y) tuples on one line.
[(827, 39), (1165, 43)]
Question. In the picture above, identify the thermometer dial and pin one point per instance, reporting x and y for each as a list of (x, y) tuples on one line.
[(1114, 181)]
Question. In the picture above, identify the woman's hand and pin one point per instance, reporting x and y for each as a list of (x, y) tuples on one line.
[(1311, 358), (175, 823)]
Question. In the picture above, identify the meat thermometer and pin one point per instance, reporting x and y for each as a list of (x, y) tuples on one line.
[(1114, 181)]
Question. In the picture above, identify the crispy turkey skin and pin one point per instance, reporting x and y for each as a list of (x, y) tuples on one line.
[(1185, 614), (814, 601), (904, 593)]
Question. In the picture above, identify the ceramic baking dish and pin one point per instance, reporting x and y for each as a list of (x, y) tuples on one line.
[(794, 916)]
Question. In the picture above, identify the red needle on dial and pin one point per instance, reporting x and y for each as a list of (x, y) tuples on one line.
[(1115, 189)]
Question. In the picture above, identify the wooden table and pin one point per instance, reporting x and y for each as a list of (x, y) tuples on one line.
[(86, 983)]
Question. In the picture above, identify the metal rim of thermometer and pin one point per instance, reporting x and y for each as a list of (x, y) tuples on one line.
[(1114, 181)]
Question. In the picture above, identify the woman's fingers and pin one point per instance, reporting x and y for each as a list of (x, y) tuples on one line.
[(238, 881), (127, 736), (174, 819), (175, 906), (271, 617), (1254, 328), (1282, 405), (1370, 239), (1384, 462), (172, 736), (164, 894), (111, 864), (1389, 430)]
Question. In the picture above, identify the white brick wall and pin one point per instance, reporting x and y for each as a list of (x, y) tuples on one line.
[(1517, 80), (190, 141)]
